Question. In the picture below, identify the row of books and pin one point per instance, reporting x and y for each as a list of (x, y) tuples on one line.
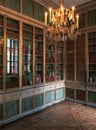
[(12, 35), (51, 59), (1, 71), (92, 48), (38, 38), (38, 30), (27, 27), (13, 25), (92, 59), (50, 47), (49, 77), (27, 35), (38, 51), (1, 48)]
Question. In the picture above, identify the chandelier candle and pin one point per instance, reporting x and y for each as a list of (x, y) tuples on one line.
[(50, 13), (77, 17), (46, 17), (73, 8)]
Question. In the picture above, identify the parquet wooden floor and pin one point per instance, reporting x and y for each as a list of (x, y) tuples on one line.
[(62, 116)]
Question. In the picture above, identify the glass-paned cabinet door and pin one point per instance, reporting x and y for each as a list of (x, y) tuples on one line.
[(39, 12), (27, 52), (80, 58), (13, 4), (28, 7), (91, 18), (92, 56), (38, 56), (1, 52), (70, 59), (12, 57), (59, 60), (50, 61), (82, 21)]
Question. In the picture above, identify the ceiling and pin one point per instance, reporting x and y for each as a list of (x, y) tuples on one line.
[(67, 3), (70, 3)]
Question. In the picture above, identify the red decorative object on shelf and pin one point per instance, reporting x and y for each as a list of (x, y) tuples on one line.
[(47, 77), (37, 79), (57, 77)]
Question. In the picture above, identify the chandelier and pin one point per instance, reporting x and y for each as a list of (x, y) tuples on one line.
[(61, 23)]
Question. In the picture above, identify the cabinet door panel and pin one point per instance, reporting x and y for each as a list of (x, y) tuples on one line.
[(12, 108), (12, 54), (92, 56), (13, 4), (38, 56), (49, 97), (39, 12), (70, 60), (28, 7), (27, 104), (92, 97), (27, 55), (38, 100), (80, 58), (59, 94)]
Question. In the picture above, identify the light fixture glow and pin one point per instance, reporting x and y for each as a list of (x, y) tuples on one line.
[(62, 23)]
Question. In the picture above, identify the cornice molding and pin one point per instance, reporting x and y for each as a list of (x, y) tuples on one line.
[(47, 3), (20, 17)]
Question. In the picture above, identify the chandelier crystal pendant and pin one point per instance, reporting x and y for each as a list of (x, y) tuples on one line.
[(61, 23)]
